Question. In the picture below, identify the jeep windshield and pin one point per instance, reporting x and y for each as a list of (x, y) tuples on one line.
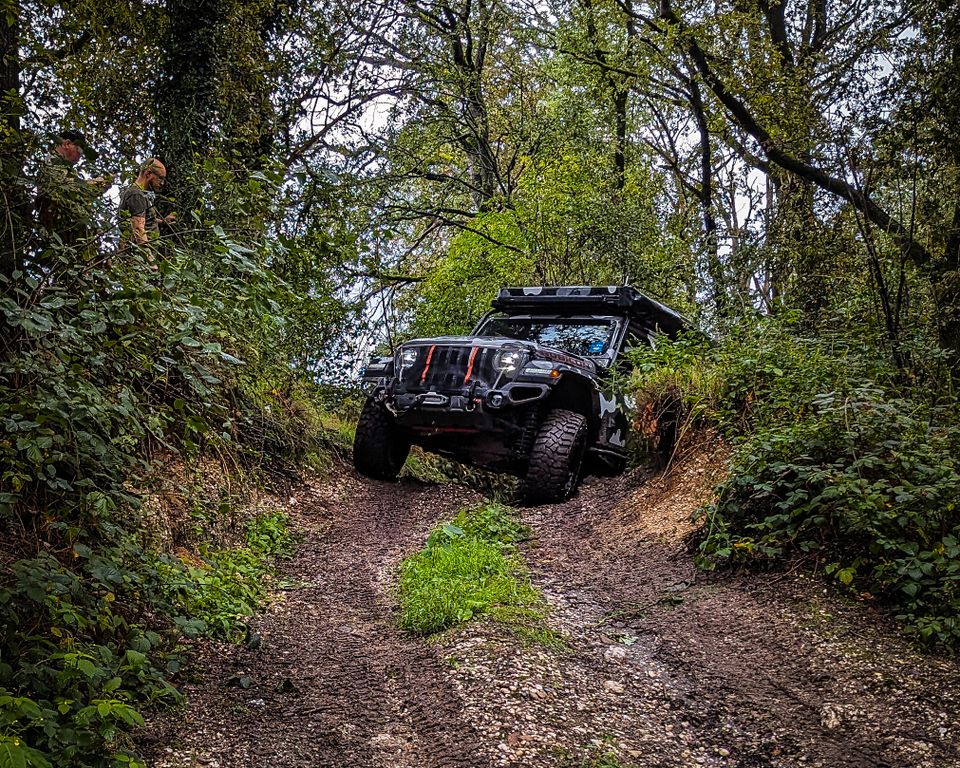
[(586, 337)]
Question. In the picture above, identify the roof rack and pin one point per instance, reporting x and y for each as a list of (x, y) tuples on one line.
[(593, 299)]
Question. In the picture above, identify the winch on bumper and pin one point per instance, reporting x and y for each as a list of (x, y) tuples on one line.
[(415, 408)]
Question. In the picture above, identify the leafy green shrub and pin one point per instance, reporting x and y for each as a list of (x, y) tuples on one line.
[(215, 595), (871, 482), (75, 666), (100, 364), (831, 455), (468, 568), (762, 374), (433, 468), (672, 387)]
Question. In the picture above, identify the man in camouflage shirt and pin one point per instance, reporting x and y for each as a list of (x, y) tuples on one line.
[(64, 200)]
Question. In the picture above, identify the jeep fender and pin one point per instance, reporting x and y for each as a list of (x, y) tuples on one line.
[(613, 408), (578, 394)]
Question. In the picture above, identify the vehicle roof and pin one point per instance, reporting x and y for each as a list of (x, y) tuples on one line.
[(619, 300)]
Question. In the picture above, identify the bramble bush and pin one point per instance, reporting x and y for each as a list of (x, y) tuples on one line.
[(215, 594), (870, 483), (831, 456), (102, 365)]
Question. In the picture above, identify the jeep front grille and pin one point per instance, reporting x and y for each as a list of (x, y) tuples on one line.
[(441, 368)]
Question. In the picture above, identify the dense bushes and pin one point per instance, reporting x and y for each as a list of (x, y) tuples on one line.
[(90, 637), (102, 366), (833, 456), (868, 481), (78, 657)]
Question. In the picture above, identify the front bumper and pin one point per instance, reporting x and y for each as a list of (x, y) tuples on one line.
[(472, 408), (512, 395)]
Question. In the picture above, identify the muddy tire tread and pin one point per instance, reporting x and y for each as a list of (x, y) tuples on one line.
[(562, 434), (379, 448)]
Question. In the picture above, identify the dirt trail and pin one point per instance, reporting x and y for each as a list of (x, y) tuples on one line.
[(662, 665)]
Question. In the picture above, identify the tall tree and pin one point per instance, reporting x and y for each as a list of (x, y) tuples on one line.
[(939, 265), (187, 93), (12, 146), (249, 78), (925, 149)]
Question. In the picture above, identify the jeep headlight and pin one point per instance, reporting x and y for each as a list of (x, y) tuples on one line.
[(508, 361), (541, 368), (406, 357)]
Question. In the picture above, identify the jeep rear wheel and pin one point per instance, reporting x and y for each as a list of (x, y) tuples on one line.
[(556, 460), (380, 448)]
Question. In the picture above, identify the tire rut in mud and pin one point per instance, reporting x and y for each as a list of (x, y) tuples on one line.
[(333, 682), (662, 666), (767, 669)]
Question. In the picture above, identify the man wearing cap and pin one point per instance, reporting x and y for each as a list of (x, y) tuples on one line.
[(64, 200)]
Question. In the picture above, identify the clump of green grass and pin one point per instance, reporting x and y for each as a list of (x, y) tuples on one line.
[(469, 567), (492, 522)]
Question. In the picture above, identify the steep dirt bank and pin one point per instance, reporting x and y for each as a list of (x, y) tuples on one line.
[(662, 665)]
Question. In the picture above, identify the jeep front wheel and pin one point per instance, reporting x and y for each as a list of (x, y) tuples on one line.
[(556, 460), (380, 448)]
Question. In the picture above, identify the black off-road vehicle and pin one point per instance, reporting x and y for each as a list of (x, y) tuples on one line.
[(527, 392)]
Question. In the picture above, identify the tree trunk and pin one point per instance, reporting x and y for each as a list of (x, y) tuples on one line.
[(618, 86), (13, 207), (793, 240), (248, 123), (718, 287), (186, 96), (621, 94), (468, 53)]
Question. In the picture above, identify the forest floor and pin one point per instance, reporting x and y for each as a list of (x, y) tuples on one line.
[(662, 665)]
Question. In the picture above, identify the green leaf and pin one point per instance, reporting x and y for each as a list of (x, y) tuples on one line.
[(87, 667), (845, 576), (452, 531), (13, 753)]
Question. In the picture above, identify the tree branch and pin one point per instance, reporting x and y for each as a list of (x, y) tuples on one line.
[(778, 155)]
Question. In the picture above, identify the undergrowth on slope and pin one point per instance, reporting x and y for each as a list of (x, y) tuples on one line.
[(77, 666), (470, 567), (836, 457), (105, 365), (215, 592)]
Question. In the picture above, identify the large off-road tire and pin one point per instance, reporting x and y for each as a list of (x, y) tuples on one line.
[(556, 461), (380, 447)]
